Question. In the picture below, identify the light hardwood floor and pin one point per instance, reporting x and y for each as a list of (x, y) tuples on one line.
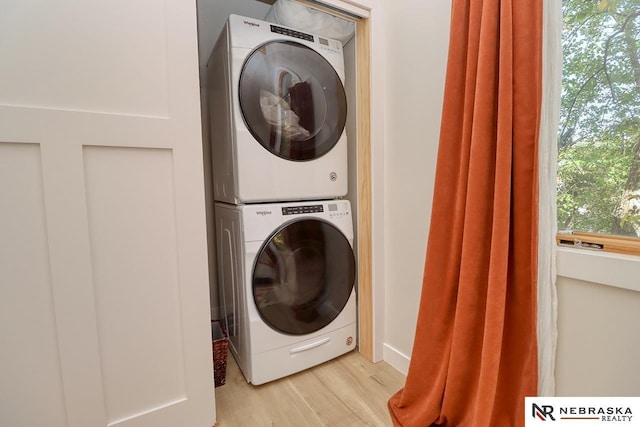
[(347, 391)]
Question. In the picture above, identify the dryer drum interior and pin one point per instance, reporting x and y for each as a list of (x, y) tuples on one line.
[(303, 276), (292, 100)]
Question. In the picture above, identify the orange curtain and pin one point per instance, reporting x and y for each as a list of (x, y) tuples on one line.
[(475, 351)]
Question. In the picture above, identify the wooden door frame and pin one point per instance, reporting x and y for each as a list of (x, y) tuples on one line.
[(370, 250), (363, 221)]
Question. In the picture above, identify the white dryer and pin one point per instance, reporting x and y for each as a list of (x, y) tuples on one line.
[(277, 110), (286, 273)]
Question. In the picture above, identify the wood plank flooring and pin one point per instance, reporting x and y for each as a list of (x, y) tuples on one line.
[(344, 392)]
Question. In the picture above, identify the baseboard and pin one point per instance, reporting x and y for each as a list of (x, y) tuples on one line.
[(396, 359)]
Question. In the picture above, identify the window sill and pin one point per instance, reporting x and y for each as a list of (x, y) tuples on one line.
[(605, 268)]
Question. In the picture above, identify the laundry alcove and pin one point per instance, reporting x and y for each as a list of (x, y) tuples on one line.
[(211, 18)]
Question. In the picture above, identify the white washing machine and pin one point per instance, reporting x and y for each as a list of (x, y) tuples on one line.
[(286, 273), (277, 110)]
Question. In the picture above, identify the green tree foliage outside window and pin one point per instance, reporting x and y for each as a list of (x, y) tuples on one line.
[(599, 134)]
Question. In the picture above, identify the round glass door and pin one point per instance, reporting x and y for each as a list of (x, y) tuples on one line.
[(303, 276), (292, 100)]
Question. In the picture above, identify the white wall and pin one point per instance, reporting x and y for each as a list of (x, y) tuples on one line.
[(417, 38), (598, 340)]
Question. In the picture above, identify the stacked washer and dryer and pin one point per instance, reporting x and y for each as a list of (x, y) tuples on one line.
[(285, 260)]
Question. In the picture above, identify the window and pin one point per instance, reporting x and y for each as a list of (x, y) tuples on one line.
[(599, 135)]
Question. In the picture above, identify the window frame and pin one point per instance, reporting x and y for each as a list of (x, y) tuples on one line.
[(599, 242), (597, 248)]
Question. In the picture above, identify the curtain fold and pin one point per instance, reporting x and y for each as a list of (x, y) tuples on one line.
[(548, 223), (475, 354)]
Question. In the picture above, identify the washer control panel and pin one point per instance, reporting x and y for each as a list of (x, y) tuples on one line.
[(306, 209), (326, 210)]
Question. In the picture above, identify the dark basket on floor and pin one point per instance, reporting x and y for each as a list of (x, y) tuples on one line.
[(220, 348)]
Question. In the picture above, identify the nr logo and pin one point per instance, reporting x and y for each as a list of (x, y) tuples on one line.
[(544, 412)]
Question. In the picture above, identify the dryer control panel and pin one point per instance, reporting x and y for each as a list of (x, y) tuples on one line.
[(291, 33)]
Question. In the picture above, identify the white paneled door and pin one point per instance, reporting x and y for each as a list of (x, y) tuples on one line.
[(104, 305)]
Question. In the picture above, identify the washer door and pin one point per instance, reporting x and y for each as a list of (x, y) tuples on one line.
[(292, 100), (303, 276)]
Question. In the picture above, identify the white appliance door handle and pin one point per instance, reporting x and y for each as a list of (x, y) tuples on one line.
[(309, 346)]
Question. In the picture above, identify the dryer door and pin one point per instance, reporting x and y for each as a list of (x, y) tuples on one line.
[(303, 276), (292, 100)]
